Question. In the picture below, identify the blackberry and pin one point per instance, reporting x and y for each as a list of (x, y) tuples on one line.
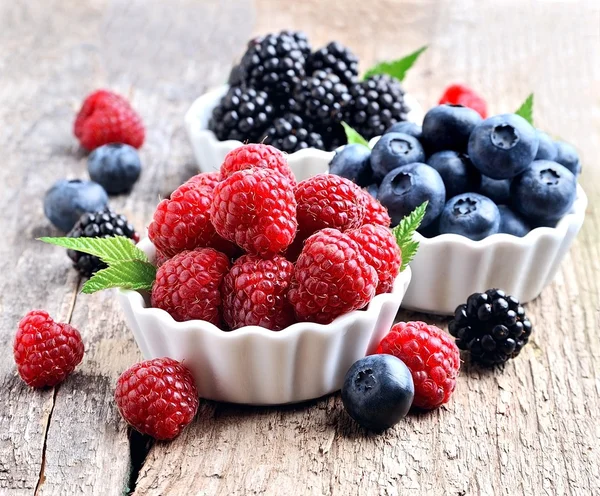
[(101, 224), (492, 326), (335, 58), (236, 76), (275, 62), (243, 114), (378, 102), (291, 133)]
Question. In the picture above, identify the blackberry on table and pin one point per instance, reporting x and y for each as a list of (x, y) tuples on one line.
[(291, 133), (378, 102), (335, 58), (243, 114), (492, 326), (101, 224)]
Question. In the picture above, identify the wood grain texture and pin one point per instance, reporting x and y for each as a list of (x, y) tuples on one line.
[(529, 429)]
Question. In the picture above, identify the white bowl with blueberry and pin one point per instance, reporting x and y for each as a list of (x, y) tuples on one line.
[(504, 205)]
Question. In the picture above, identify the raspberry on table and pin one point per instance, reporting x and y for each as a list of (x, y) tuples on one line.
[(431, 356), (378, 246), (208, 179), (157, 397), (46, 352), (255, 293), (256, 155), (256, 209), (331, 278), (106, 117), (327, 200), (375, 213), (188, 285)]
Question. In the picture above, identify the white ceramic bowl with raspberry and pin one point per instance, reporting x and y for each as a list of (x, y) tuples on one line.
[(210, 152), (448, 268), (253, 365)]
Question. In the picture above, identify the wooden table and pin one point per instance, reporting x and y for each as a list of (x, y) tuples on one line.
[(529, 429)]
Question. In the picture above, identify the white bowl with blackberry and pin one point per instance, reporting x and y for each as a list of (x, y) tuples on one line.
[(284, 94), (503, 208)]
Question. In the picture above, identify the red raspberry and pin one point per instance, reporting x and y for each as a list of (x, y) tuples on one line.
[(183, 222), (209, 179), (378, 246), (460, 94), (106, 117), (157, 397), (331, 278), (45, 351), (255, 293), (256, 209), (160, 258), (431, 356), (327, 200), (256, 155), (188, 285), (376, 213)]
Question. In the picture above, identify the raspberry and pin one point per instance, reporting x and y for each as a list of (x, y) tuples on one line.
[(160, 258), (256, 209), (431, 356), (459, 94), (157, 397), (106, 117), (375, 213), (256, 155), (327, 200), (188, 285), (209, 179), (255, 293), (331, 278), (378, 246), (183, 222), (45, 351)]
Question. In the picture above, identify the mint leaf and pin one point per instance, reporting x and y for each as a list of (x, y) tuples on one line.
[(526, 109), (404, 232), (395, 68), (132, 274), (109, 250), (354, 136)]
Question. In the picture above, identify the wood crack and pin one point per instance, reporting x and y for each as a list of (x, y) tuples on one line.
[(139, 447)]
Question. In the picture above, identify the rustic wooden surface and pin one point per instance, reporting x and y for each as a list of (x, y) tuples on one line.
[(529, 429)]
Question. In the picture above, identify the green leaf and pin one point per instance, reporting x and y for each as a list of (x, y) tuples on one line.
[(404, 234), (354, 136), (526, 109), (132, 274), (109, 250), (395, 68)]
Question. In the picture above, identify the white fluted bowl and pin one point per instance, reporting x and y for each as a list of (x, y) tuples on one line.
[(210, 152), (448, 268), (253, 365)]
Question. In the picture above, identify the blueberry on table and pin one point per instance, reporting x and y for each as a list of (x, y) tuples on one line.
[(394, 150), (512, 223), (406, 127), (353, 162), (115, 166), (471, 215), (457, 172), (567, 155), (503, 146), (378, 391), (66, 201), (448, 127), (407, 187), (497, 190), (545, 192), (547, 148)]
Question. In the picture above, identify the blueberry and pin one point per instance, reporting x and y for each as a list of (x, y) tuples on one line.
[(352, 162), (407, 187), (394, 150), (430, 231), (512, 223), (503, 146), (471, 215), (567, 155), (406, 127), (115, 166), (544, 193), (373, 189), (66, 201), (447, 127), (378, 391), (497, 190), (457, 172), (547, 148)]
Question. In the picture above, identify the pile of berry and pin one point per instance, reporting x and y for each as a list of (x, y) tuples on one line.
[(246, 245), (288, 96)]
